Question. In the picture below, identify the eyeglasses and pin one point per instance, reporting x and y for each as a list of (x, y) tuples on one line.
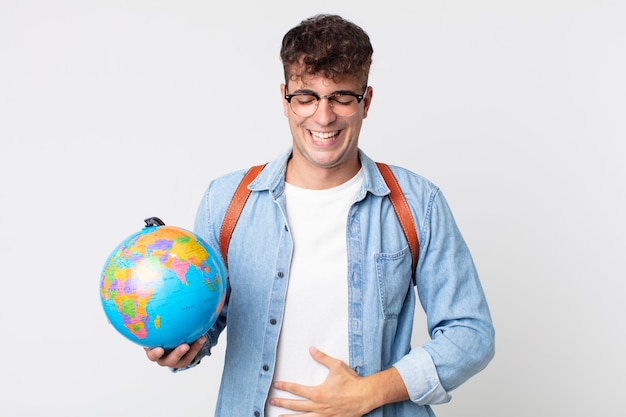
[(342, 103)]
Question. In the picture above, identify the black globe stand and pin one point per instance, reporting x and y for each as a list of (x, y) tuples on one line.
[(153, 221)]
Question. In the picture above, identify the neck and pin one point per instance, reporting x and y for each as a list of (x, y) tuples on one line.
[(316, 178)]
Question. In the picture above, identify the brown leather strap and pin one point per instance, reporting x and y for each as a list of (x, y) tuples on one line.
[(396, 196), (234, 209), (401, 207)]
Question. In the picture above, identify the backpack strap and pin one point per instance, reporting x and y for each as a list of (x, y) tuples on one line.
[(234, 209), (401, 207), (396, 196)]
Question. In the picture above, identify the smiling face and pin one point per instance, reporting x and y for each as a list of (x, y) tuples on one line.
[(325, 145)]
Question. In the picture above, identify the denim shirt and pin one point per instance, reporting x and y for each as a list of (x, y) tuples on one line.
[(382, 295)]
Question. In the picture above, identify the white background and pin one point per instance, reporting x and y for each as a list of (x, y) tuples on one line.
[(113, 111)]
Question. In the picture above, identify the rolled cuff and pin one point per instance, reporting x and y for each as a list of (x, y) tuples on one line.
[(419, 374)]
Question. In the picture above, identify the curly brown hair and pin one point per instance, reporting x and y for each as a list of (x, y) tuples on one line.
[(327, 45)]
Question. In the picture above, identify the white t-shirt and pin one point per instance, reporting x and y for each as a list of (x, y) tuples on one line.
[(316, 308)]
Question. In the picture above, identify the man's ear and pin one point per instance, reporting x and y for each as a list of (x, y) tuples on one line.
[(285, 103), (367, 100)]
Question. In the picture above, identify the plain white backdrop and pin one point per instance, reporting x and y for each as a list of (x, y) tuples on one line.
[(114, 111)]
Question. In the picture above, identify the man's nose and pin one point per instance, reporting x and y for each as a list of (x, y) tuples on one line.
[(324, 114)]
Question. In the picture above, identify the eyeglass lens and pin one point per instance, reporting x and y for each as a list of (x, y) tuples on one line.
[(305, 105)]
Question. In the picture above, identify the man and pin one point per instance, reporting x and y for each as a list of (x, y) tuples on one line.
[(321, 297)]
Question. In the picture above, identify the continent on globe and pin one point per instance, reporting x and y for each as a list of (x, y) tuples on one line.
[(162, 286)]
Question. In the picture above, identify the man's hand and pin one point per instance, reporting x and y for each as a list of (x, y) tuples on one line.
[(179, 357), (343, 393)]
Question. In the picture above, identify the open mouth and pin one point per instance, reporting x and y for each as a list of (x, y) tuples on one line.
[(324, 136)]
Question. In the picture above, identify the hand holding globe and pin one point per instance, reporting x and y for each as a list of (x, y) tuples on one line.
[(163, 287)]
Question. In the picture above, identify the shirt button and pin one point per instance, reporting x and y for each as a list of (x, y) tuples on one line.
[(272, 321), (266, 367), (257, 414), (280, 274)]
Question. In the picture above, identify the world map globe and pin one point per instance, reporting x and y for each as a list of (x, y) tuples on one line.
[(162, 286)]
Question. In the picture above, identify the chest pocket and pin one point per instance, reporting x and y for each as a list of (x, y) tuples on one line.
[(393, 272)]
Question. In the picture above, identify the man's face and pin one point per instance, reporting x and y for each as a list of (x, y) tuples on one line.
[(325, 140)]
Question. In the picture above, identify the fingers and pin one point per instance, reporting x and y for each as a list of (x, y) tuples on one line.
[(293, 388), (293, 405), (171, 358), (322, 358), (179, 357), (154, 354)]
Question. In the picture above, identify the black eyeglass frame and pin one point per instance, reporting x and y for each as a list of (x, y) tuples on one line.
[(359, 97)]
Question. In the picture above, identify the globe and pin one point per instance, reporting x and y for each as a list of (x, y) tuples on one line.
[(162, 286)]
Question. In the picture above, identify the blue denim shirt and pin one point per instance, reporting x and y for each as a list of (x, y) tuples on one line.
[(382, 297)]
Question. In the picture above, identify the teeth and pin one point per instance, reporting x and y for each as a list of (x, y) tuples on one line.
[(324, 135)]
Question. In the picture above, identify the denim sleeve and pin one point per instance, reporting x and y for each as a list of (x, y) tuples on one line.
[(462, 338)]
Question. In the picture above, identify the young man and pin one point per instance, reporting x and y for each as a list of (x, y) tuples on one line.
[(321, 291)]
